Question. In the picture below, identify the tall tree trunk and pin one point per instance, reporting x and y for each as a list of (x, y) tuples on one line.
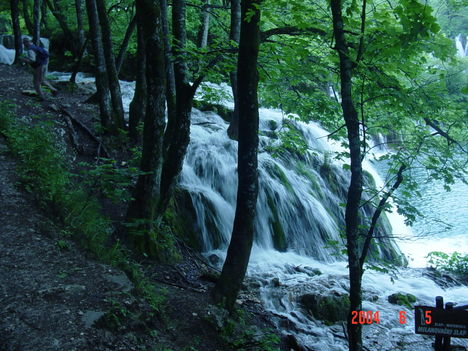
[(79, 22), (355, 188), (234, 35), (138, 104), (238, 254), (170, 76), (37, 21), (44, 22), (16, 30), (27, 18), (114, 85), (178, 131), (57, 11), (126, 40), (77, 66), (205, 25), (146, 193), (102, 84)]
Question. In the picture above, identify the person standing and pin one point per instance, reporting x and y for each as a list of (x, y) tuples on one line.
[(39, 66)]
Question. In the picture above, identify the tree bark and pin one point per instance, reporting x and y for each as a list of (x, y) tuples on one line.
[(234, 35), (27, 18), (78, 61), (146, 193), (114, 85), (178, 130), (138, 104), (205, 25), (126, 40), (355, 188), (79, 22), (238, 254), (16, 30), (63, 23), (36, 22), (170, 77), (102, 84)]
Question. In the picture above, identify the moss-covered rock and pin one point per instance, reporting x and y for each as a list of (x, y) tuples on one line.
[(401, 299), (278, 235), (329, 309), (224, 112)]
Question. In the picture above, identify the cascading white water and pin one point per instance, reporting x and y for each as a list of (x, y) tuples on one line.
[(299, 199), (298, 211), (462, 45)]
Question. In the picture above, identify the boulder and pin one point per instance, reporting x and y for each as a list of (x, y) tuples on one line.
[(329, 309)]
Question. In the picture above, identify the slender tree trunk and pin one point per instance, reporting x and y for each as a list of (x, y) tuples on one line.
[(16, 30), (102, 84), (170, 77), (79, 22), (44, 22), (355, 188), (146, 193), (27, 18), (234, 35), (126, 40), (37, 21), (205, 25), (114, 85), (76, 69), (179, 131), (138, 104), (57, 12), (238, 254)]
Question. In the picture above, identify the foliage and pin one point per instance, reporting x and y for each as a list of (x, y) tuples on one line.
[(43, 171), (110, 178), (239, 335), (456, 262)]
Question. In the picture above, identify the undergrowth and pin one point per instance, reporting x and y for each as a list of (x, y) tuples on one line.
[(44, 172)]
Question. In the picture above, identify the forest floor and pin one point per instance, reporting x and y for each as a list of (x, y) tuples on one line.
[(56, 295)]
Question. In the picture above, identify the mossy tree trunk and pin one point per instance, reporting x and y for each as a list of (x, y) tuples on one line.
[(238, 254), (146, 194)]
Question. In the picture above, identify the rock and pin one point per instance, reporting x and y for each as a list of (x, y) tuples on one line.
[(217, 316), (121, 280), (407, 300), (292, 343), (90, 317), (214, 259), (209, 276), (276, 282), (329, 309)]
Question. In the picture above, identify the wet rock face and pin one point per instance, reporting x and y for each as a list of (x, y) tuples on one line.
[(329, 309)]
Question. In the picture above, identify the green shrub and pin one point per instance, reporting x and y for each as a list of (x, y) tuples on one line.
[(456, 262)]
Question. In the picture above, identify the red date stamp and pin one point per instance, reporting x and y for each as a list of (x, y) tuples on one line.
[(371, 317)]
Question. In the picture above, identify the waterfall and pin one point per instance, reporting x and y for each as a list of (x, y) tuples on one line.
[(301, 195), (462, 45)]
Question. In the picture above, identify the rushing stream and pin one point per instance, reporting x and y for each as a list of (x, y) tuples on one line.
[(298, 215)]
